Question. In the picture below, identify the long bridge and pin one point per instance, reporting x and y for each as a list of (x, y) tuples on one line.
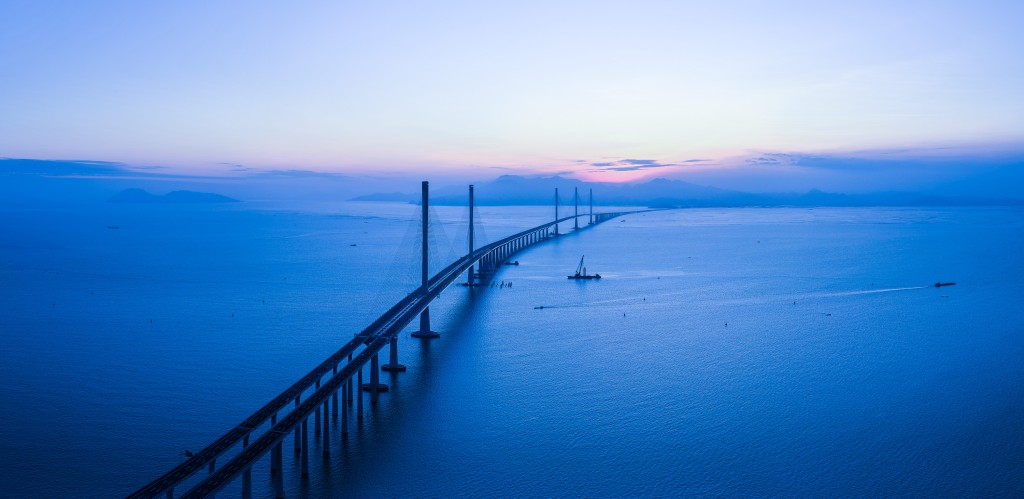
[(288, 414)]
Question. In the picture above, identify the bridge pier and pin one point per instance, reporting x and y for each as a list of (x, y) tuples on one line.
[(247, 474), (425, 331), (359, 409), (247, 483), (275, 452), (334, 399), (344, 415), (213, 464), (327, 433), (298, 432), (374, 379), (305, 447), (393, 365), (316, 426), (279, 487), (374, 386)]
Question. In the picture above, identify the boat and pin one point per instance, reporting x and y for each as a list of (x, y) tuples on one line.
[(581, 272), (941, 284)]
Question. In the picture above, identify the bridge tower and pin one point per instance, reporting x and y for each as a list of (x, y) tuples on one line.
[(425, 331), (469, 273), (576, 208), (591, 207), (556, 211)]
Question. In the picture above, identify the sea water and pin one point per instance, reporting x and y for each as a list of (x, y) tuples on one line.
[(754, 351)]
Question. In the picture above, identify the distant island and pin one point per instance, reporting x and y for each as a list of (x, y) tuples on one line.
[(139, 196)]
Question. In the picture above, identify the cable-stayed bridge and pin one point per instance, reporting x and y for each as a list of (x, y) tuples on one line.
[(339, 378)]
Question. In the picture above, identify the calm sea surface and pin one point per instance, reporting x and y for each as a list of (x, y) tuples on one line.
[(737, 352)]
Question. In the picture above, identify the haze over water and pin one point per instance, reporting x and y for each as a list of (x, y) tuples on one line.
[(756, 352)]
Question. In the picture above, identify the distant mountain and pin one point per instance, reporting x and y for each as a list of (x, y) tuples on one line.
[(662, 193), (392, 197), (140, 196), (517, 190)]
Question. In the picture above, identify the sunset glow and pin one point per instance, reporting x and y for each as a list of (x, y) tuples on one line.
[(535, 87)]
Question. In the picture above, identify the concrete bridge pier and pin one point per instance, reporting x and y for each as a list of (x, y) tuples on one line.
[(247, 483), (327, 433), (247, 474), (316, 426), (279, 487), (213, 464), (374, 379), (374, 386), (298, 432), (334, 398), (359, 399), (275, 452), (393, 365), (424, 331), (305, 447), (344, 415)]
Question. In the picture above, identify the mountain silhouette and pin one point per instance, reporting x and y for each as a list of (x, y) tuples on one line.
[(140, 196)]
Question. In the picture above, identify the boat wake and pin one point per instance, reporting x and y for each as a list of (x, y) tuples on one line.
[(660, 296), (873, 291)]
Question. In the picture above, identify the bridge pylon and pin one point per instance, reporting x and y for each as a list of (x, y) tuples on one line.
[(473, 278), (576, 208), (424, 331), (591, 207), (556, 211)]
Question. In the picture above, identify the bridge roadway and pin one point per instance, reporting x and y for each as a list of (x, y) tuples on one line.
[(374, 337)]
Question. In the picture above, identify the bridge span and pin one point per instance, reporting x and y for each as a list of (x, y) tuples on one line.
[(288, 414)]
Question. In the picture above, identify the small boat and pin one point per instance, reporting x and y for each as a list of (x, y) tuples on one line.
[(581, 272), (113, 227), (941, 284), (516, 263)]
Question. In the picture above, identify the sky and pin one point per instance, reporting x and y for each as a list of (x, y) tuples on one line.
[(745, 93)]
